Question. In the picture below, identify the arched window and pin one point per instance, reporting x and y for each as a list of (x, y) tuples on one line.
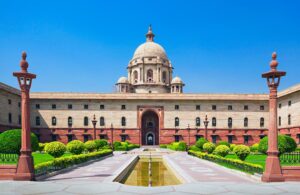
[(70, 121), (176, 121), (135, 76), (289, 120), (262, 122), (164, 76), (150, 75), (279, 121), (229, 122), (214, 122), (123, 121), (198, 122), (102, 121), (86, 121), (37, 121), (53, 121), (246, 122), (9, 118)]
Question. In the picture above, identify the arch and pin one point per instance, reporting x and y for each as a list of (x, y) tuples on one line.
[(86, 121), (289, 120), (150, 126), (214, 122), (102, 121), (198, 122), (164, 76), (148, 140), (135, 76), (262, 122), (229, 122), (245, 122), (176, 121), (53, 121), (150, 75), (70, 121), (123, 121)]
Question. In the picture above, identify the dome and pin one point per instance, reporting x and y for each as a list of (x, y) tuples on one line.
[(149, 49), (176, 80), (123, 80)]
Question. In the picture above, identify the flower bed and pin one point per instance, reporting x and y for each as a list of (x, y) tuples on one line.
[(231, 163), (64, 162)]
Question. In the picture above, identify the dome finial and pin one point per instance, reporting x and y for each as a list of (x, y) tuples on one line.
[(274, 62), (150, 35), (24, 63)]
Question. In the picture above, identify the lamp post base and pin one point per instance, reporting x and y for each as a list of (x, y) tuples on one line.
[(273, 169), (25, 170)]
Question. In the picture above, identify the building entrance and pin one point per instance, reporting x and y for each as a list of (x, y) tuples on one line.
[(150, 128)]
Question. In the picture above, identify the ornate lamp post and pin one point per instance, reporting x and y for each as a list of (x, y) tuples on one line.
[(273, 169), (112, 135), (206, 124), (94, 121), (25, 170)]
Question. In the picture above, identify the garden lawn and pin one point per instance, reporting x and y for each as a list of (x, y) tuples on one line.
[(44, 157)]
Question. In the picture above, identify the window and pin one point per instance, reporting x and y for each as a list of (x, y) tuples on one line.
[(279, 105), (289, 120), (102, 121), (198, 107), (279, 121), (198, 122), (149, 75), (37, 106), (9, 101), (214, 122), (70, 106), (70, 138), (123, 138), (164, 76), (123, 121), (177, 139), (229, 107), (176, 121), (19, 104), (214, 139), (102, 107), (70, 121), (290, 103), (246, 122), (246, 107), (262, 122), (53, 121), (214, 107), (230, 139), (85, 138), (54, 137), (229, 122), (262, 107), (19, 119), (198, 137), (123, 107), (9, 118), (37, 121), (135, 76), (246, 139), (86, 106), (86, 121), (176, 107), (53, 106)]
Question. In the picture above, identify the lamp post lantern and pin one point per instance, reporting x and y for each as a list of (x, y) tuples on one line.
[(206, 124), (112, 135), (25, 169), (94, 121), (273, 169)]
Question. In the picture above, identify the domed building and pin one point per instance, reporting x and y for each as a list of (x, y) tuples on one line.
[(149, 70)]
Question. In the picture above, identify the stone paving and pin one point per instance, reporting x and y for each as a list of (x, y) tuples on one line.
[(202, 177)]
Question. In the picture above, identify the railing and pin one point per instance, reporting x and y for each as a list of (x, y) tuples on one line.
[(292, 157), (8, 158)]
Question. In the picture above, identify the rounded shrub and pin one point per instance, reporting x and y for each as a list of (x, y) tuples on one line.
[(181, 146), (254, 147), (221, 150), (291, 144), (201, 142), (10, 141), (209, 147), (90, 146), (75, 147), (225, 143), (194, 148), (241, 151), (232, 146), (42, 147), (100, 143), (55, 149), (263, 144)]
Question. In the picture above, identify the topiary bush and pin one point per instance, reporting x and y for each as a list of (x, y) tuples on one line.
[(75, 147), (225, 143), (232, 146), (241, 151), (194, 148), (283, 145), (55, 149), (10, 141), (222, 150), (201, 142), (181, 146), (209, 147), (254, 147), (90, 146), (100, 143), (117, 144), (291, 144)]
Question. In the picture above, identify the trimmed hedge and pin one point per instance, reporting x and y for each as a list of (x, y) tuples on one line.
[(238, 164), (209, 147), (241, 151), (222, 150), (201, 142), (64, 162), (100, 143), (90, 146), (285, 144), (225, 143), (124, 146), (55, 149), (42, 147), (75, 147), (194, 148), (177, 146), (10, 141), (254, 147), (163, 145)]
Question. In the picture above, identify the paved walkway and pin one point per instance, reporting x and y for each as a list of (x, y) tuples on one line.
[(202, 177)]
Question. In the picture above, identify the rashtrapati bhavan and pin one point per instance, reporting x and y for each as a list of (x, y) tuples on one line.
[(151, 108)]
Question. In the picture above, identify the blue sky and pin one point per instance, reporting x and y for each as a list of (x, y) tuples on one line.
[(214, 46)]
